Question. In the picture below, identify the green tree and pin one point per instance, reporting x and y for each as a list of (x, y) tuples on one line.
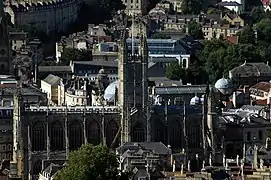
[(257, 14), (191, 6), (195, 30), (174, 71), (219, 57), (72, 54), (160, 36), (264, 30), (247, 36), (91, 162)]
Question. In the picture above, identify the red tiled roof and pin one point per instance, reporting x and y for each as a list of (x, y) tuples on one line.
[(263, 86), (266, 2), (261, 102), (233, 39)]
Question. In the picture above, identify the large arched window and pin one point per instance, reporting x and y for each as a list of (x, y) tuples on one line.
[(94, 133), (138, 133), (175, 134), (194, 136), (37, 167), (38, 136), (75, 135), (111, 131), (159, 135), (57, 136)]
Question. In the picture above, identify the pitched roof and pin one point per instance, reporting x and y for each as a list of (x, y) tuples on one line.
[(251, 70), (233, 39), (157, 147), (52, 169), (98, 63), (52, 80), (55, 69), (263, 86)]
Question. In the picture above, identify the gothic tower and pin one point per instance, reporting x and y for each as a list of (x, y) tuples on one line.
[(18, 168), (133, 91), (122, 86), (211, 123)]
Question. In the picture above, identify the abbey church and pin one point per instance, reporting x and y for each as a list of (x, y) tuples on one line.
[(49, 133)]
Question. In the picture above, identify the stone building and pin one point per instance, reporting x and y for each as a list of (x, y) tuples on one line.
[(5, 51), (250, 74), (136, 6), (54, 16), (50, 132)]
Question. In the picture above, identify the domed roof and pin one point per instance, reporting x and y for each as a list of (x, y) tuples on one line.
[(223, 83), (110, 91), (195, 100)]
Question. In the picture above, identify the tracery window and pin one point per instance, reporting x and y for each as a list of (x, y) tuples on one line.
[(175, 133), (75, 135), (111, 131), (38, 136), (94, 133), (57, 136), (138, 134), (37, 167)]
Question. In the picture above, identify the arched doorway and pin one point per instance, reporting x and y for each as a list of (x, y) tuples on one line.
[(138, 133), (38, 136), (75, 135), (57, 136), (94, 133)]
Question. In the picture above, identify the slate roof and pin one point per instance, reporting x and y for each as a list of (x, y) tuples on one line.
[(245, 117), (52, 169), (232, 3), (251, 69), (184, 89), (26, 91), (98, 63), (263, 86), (55, 69), (52, 80), (157, 147), (252, 108)]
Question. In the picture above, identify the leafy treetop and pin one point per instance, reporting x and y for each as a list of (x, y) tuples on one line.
[(91, 162)]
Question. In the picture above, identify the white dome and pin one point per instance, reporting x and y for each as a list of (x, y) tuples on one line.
[(195, 100), (110, 91), (224, 86), (223, 83)]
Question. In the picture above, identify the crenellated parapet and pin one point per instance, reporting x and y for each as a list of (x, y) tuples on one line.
[(39, 6), (75, 110)]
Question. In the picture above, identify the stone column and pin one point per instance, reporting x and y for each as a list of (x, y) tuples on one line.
[(103, 127), (29, 152), (66, 134), (47, 135), (85, 127)]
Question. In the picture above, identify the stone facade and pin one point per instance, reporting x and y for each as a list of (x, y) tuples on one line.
[(5, 51), (49, 17)]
